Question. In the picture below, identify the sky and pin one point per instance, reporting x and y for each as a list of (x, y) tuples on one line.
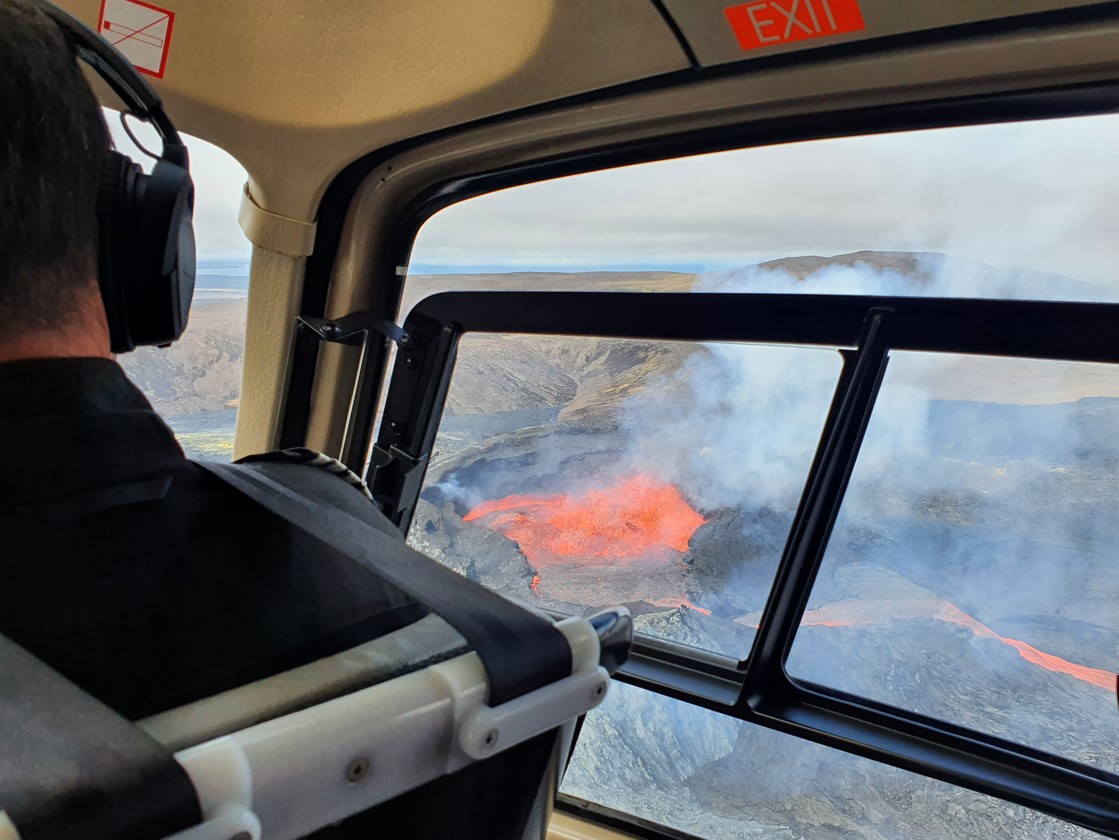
[(1041, 195)]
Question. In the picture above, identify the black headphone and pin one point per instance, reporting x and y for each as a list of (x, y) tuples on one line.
[(145, 258)]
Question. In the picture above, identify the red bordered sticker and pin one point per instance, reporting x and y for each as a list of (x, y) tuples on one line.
[(139, 30), (767, 23)]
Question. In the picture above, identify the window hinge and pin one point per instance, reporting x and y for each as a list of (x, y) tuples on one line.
[(353, 329)]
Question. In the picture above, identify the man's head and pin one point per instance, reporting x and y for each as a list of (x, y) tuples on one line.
[(53, 145)]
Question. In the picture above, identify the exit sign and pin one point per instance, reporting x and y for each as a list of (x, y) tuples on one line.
[(766, 23)]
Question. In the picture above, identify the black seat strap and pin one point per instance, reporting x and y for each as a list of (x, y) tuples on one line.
[(520, 650), (73, 769)]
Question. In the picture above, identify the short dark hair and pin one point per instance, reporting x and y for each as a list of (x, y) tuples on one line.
[(53, 145)]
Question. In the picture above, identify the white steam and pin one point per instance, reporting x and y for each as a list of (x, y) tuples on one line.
[(903, 274), (739, 424), (735, 423)]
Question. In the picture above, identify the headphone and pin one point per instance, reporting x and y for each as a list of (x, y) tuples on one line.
[(145, 256)]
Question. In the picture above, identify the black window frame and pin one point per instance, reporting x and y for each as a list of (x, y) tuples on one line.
[(864, 329), (758, 689)]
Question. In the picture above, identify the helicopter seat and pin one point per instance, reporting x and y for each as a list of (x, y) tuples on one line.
[(392, 737), (457, 725)]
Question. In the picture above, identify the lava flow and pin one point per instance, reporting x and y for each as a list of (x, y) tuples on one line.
[(629, 522), (858, 611), (631, 534)]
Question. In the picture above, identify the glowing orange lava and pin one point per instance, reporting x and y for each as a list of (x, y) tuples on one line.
[(855, 612), (613, 544), (1103, 679), (633, 521)]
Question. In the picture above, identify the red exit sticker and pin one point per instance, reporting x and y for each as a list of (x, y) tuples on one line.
[(764, 23)]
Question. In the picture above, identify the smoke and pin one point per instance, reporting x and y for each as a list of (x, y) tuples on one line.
[(984, 487), (578, 456), (987, 481), (739, 424), (734, 423), (990, 482), (898, 273)]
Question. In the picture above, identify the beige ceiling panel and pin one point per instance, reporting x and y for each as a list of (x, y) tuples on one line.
[(722, 31), (296, 91)]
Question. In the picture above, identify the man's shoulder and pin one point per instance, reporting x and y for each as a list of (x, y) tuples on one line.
[(321, 478)]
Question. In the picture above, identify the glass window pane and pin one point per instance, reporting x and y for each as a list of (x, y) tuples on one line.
[(584, 472), (1017, 210), (721, 779), (972, 575)]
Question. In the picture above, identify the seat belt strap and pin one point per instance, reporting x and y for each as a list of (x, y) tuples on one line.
[(73, 769), (520, 650)]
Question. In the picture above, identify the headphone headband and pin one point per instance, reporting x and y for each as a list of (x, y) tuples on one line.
[(120, 75), (146, 251)]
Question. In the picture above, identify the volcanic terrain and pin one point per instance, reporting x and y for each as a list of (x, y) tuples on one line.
[(971, 575)]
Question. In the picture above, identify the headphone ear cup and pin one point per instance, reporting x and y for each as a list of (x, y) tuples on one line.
[(159, 297), (117, 205), (146, 258)]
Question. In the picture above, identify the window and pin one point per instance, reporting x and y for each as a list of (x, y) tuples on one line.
[(195, 384), (1019, 210), (972, 574), (713, 777), (567, 474), (856, 445)]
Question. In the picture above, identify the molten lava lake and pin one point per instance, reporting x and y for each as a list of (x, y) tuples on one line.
[(625, 541)]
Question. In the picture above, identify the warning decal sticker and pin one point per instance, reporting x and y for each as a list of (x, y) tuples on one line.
[(765, 23), (139, 30)]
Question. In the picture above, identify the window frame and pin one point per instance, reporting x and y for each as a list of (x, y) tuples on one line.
[(1068, 790), (392, 258), (864, 329)]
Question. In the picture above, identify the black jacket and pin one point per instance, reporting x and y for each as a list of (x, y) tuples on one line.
[(140, 576)]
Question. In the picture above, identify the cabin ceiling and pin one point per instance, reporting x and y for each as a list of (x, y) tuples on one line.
[(296, 91)]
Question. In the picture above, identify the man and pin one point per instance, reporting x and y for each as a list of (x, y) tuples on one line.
[(133, 572)]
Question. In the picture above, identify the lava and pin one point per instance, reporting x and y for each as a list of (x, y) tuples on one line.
[(510, 503), (630, 522), (626, 540), (855, 612)]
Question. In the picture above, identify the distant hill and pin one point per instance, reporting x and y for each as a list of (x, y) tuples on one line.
[(900, 273), (201, 371), (587, 377)]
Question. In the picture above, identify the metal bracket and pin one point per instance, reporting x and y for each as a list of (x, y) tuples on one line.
[(353, 329), (394, 474)]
